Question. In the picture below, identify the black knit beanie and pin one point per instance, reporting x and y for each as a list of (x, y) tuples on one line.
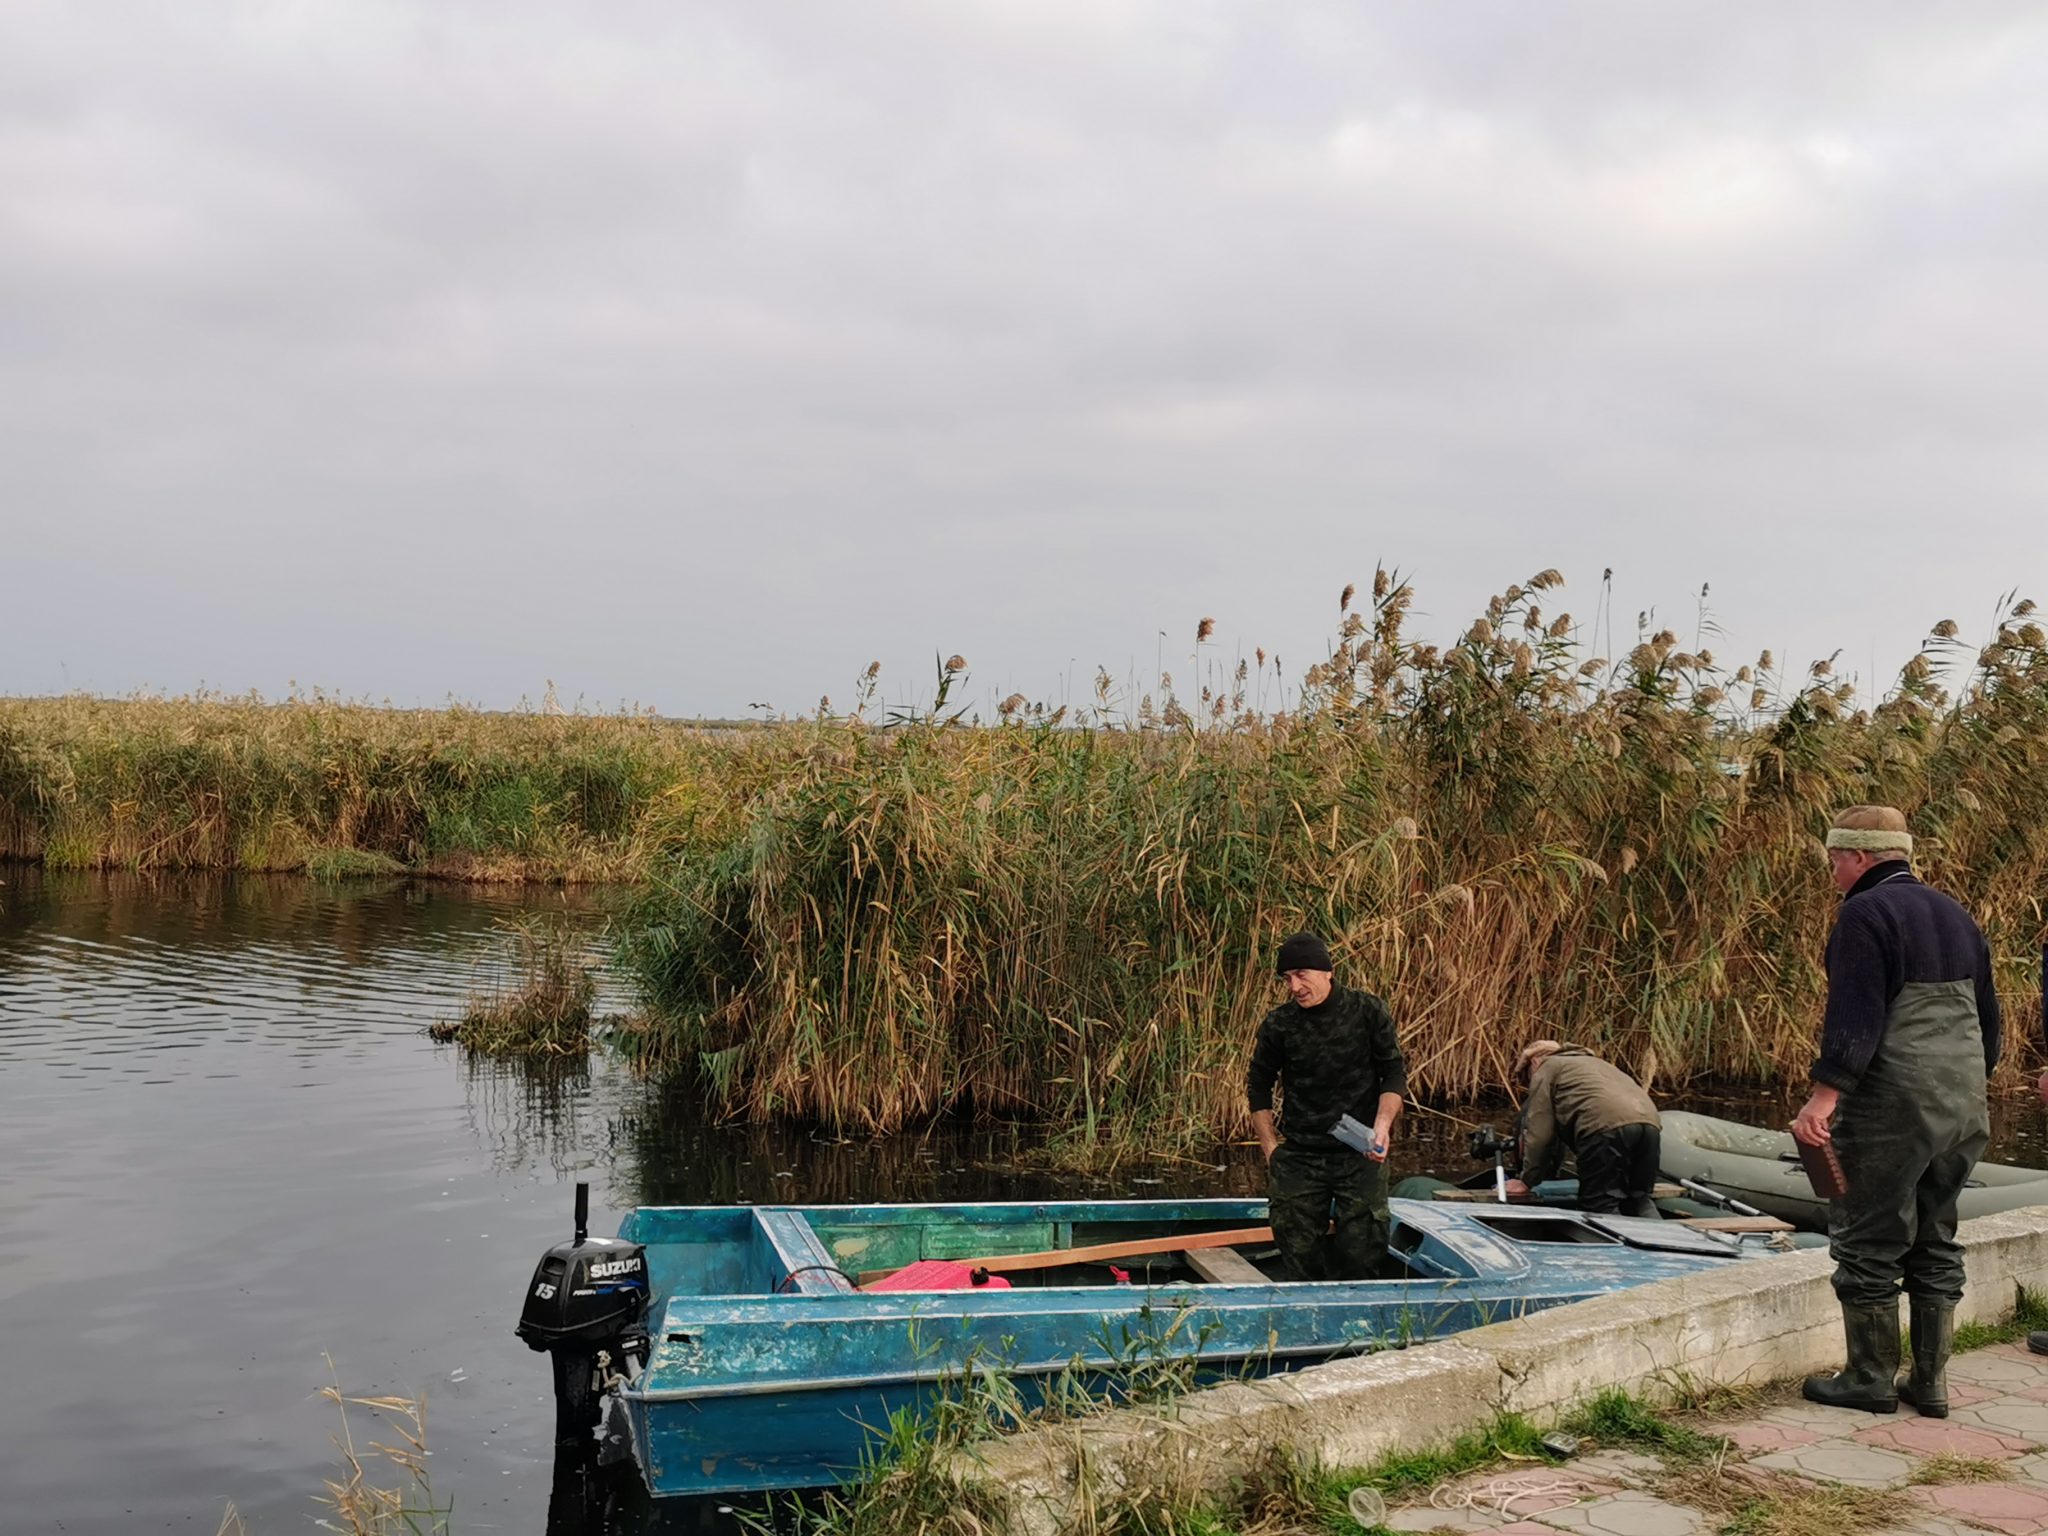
[(1303, 952)]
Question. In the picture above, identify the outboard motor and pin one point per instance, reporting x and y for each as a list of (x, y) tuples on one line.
[(587, 1307)]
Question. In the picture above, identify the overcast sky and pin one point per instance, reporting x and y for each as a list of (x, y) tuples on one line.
[(697, 354)]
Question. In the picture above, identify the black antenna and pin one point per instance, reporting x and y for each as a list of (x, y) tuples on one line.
[(582, 1213)]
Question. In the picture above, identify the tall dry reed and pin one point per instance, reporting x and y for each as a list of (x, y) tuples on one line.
[(1070, 914), (540, 1004), (359, 1502), (1505, 837)]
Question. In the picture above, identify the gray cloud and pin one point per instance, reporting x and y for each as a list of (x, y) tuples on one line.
[(699, 353)]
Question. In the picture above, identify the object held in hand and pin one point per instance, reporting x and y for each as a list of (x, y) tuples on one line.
[(1358, 1137), (1823, 1169)]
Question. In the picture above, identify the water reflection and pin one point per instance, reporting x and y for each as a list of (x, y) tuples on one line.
[(531, 1114)]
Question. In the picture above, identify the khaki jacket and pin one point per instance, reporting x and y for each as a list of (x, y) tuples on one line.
[(1575, 1094)]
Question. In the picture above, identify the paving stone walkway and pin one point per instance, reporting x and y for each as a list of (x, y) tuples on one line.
[(1997, 1431)]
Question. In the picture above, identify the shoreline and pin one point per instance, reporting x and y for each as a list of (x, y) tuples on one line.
[(477, 872)]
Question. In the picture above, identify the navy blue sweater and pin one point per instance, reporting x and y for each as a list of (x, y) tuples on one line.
[(1893, 930)]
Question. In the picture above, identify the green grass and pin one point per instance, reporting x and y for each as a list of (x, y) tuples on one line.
[(2029, 1314), (1616, 1417), (1759, 1504), (338, 788), (1611, 1418), (350, 864), (1508, 1437)]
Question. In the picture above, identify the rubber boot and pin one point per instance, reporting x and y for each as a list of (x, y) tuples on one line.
[(1868, 1382), (1925, 1384)]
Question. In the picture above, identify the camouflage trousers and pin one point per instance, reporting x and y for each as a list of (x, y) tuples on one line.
[(1307, 1190)]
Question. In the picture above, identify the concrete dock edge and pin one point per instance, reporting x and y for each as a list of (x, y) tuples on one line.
[(1757, 1322)]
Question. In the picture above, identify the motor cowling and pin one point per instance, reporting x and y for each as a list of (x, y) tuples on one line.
[(586, 1292)]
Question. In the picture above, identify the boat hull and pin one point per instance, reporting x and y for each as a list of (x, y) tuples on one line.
[(826, 1432)]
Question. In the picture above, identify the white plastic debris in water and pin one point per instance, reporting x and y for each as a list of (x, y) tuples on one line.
[(1366, 1506), (458, 1375)]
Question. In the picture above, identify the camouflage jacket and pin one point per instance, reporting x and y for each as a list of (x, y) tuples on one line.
[(1330, 1061)]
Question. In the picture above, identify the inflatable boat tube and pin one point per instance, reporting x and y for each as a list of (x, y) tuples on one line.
[(1762, 1168)]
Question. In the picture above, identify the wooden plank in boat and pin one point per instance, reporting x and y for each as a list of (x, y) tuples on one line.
[(1479, 1197), (1225, 1266), (1132, 1248), (1737, 1224), (1170, 1242)]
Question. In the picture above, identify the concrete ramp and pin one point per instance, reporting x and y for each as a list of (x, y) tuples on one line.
[(1755, 1323)]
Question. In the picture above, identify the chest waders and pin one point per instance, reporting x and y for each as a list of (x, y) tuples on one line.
[(1908, 1135)]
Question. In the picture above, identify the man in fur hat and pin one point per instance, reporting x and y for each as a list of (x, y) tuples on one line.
[(1910, 1035)]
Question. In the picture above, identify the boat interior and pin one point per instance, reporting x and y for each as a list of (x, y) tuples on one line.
[(774, 1250)]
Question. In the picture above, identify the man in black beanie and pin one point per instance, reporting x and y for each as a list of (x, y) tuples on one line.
[(1335, 1052)]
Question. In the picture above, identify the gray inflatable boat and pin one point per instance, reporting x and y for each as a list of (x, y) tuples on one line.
[(1762, 1168)]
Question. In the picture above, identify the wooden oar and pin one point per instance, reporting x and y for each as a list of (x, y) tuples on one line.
[(1053, 1258), (1180, 1242), (1659, 1191)]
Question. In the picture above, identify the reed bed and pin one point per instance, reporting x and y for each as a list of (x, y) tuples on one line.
[(340, 789), (1069, 916), (1073, 920), (546, 1008)]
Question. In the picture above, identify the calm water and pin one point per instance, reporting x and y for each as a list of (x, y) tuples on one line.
[(231, 1151)]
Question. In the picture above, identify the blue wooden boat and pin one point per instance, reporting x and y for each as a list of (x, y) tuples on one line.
[(763, 1365)]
